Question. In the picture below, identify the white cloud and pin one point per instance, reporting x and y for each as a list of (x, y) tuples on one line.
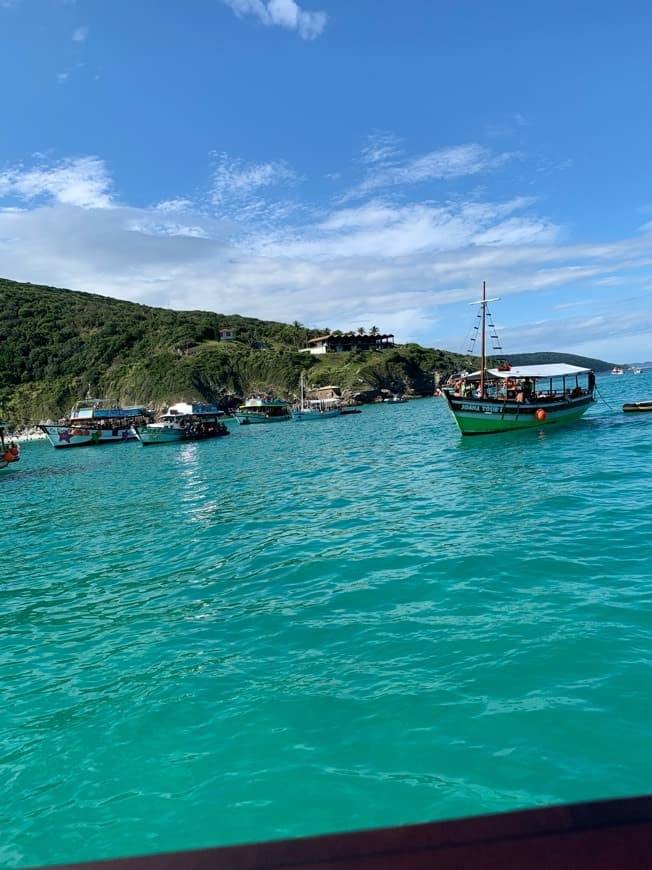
[(148, 225), (233, 179), (64, 76), (82, 181), (245, 192), (80, 34), (508, 127), (382, 229), (381, 147), (282, 13), (172, 205), (407, 267), (387, 169)]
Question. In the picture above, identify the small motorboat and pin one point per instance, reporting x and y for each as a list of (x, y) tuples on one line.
[(637, 406), (9, 449)]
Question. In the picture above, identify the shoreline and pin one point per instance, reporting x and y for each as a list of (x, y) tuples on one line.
[(30, 434)]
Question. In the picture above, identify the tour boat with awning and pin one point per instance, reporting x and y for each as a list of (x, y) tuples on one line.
[(263, 409), (95, 421), (185, 421), (517, 397)]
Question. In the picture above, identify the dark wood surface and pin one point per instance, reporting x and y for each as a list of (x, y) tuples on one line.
[(602, 835)]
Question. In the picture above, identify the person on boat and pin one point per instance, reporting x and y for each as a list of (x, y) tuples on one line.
[(591, 382), (527, 388)]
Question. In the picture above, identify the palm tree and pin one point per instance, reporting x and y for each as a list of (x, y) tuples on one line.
[(361, 330), (374, 330)]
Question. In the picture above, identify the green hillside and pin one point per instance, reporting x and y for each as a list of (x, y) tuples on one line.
[(57, 346), (530, 359)]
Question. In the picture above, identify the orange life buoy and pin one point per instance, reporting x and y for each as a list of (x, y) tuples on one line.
[(13, 450), (540, 414)]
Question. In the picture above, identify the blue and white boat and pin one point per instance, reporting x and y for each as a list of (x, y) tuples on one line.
[(94, 421), (184, 421), (315, 409)]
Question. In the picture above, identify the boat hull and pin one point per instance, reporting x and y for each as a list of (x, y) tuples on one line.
[(172, 435), (244, 419), (7, 464), (84, 436), (310, 415), (158, 435), (487, 416)]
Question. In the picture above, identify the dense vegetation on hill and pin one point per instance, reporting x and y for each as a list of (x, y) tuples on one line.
[(57, 346), (529, 359)]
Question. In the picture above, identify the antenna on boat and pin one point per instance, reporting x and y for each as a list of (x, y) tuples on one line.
[(483, 315)]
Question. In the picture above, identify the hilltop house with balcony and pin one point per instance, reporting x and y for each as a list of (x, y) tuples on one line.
[(340, 342)]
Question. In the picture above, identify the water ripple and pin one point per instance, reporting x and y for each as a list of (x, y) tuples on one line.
[(301, 629)]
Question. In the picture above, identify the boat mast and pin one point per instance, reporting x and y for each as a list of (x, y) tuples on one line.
[(481, 329), (483, 356)]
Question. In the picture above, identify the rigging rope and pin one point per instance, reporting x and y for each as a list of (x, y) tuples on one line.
[(604, 400)]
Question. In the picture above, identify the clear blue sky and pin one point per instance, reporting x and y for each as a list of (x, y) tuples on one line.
[(341, 163)]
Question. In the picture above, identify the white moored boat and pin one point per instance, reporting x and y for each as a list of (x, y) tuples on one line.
[(315, 409), (183, 422), (395, 400), (93, 421)]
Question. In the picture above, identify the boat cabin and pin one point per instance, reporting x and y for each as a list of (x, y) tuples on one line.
[(539, 384)]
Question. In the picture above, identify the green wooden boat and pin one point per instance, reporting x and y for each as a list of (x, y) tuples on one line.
[(503, 399)]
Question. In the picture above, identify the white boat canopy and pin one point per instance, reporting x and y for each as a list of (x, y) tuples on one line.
[(550, 370)]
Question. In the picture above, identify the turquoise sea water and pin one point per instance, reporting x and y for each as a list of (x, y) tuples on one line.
[(310, 628)]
